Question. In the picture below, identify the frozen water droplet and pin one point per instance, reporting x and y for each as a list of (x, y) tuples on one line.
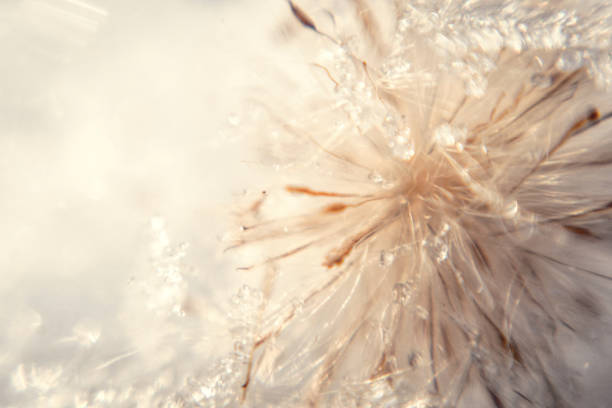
[(390, 122), (388, 185), (447, 135), (570, 60), (396, 69), (541, 80), (86, 333), (298, 306), (376, 177), (476, 86), (403, 137), (178, 310), (444, 230), (378, 391), (442, 253), (248, 297), (422, 312), (511, 209), (403, 146), (402, 293), (386, 258), (403, 25), (403, 152), (207, 392)]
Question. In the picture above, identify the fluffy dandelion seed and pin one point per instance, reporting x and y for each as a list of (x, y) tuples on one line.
[(446, 226)]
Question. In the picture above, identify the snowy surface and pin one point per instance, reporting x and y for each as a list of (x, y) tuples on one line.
[(115, 148)]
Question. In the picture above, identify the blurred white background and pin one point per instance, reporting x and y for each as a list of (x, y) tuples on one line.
[(116, 145)]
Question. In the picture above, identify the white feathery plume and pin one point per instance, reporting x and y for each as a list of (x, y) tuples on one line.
[(438, 230)]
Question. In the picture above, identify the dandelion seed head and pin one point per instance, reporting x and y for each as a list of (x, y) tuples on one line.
[(411, 227)]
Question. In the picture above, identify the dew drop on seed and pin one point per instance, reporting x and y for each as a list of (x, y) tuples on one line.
[(375, 177), (444, 230), (377, 392), (403, 152), (298, 306), (447, 135), (541, 80), (442, 253), (403, 137), (511, 209), (390, 123), (476, 86), (86, 333), (386, 258), (207, 392), (422, 312), (396, 69), (570, 60), (443, 135), (247, 299), (402, 293), (402, 145), (339, 125)]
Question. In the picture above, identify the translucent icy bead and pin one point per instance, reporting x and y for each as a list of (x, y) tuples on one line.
[(447, 135), (402, 293), (541, 80), (570, 60), (422, 312), (511, 209), (386, 258), (442, 253), (402, 145), (375, 177)]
